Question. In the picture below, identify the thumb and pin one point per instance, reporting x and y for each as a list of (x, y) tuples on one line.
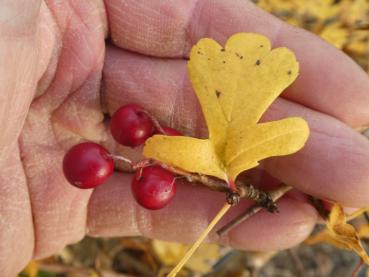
[(19, 56)]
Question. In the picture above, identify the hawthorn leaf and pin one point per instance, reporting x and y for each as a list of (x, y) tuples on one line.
[(344, 232), (357, 213), (341, 234), (324, 236), (249, 145), (192, 154), (235, 85), (363, 231)]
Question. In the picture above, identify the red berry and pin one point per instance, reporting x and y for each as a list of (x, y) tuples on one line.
[(170, 132), (153, 187), (131, 126), (87, 165)]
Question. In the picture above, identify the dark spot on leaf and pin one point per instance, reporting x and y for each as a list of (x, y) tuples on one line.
[(208, 59), (258, 62), (289, 72), (198, 52), (218, 93), (261, 45), (222, 49), (224, 61), (238, 55)]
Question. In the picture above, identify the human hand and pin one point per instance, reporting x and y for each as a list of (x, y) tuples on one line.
[(53, 55)]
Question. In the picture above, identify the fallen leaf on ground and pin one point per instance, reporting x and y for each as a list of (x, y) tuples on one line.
[(340, 233)]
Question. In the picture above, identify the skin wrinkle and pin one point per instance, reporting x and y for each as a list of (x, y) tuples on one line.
[(18, 22), (178, 100), (47, 31), (32, 227), (188, 40), (193, 27)]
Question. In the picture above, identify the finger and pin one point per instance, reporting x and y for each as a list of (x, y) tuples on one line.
[(16, 226), (68, 111), (113, 212), (332, 165), (19, 70), (19, 48), (329, 81)]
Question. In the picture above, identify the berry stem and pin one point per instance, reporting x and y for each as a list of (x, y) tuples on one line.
[(198, 242), (275, 195), (121, 158), (155, 122)]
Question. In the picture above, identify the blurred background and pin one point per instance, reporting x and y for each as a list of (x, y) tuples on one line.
[(344, 24)]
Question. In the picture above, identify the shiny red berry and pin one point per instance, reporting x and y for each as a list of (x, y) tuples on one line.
[(170, 132), (153, 187), (87, 165), (131, 126)]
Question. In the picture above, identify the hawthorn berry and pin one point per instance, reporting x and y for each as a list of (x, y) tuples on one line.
[(153, 187), (87, 165), (131, 126)]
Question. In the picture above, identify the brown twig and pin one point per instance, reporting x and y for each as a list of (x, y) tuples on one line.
[(274, 195), (319, 207), (297, 262), (357, 268), (248, 191)]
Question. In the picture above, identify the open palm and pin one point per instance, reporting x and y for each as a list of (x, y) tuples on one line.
[(64, 64)]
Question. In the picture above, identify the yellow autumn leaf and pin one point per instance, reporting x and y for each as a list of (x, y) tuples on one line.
[(335, 35), (32, 268), (324, 236), (320, 9), (344, 232), (363, 231), (358, 43), (235, 85), (357, 213), (355, 13), (340, 233), (170, 253)]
